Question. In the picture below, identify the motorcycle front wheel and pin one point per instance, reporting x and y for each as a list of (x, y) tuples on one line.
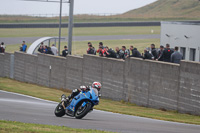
[(59, 110), (82, 111)]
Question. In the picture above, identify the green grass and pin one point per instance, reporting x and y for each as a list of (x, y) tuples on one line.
[(79, 47), (105, 104), (19, 127), (93, 31)]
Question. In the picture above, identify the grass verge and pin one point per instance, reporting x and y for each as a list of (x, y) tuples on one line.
[(18, 127), (105, 104), (87, 31)]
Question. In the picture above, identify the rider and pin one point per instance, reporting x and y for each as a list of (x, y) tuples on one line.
[(95, 85)]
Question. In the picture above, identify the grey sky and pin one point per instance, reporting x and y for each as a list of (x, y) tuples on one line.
[(81, 6)]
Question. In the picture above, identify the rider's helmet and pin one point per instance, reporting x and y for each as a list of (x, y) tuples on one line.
[(96, 85)]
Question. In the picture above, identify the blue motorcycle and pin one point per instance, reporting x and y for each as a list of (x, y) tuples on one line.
[(80, 105)]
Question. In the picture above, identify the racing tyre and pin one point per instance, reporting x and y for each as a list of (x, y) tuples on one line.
[(82, 111), (59, 110)]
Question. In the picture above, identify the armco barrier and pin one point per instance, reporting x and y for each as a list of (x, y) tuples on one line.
[(143, 82)]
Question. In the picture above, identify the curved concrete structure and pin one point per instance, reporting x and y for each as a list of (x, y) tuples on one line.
[(35, 45)]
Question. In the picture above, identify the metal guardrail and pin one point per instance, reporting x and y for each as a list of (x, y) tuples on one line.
[(55, 25)]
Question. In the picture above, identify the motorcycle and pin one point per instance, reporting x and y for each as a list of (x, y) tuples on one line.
[(80, 105)]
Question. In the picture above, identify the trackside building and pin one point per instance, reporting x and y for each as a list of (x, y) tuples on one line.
[(185, 35)]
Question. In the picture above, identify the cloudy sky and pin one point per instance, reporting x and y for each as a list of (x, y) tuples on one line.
[(81, 6)]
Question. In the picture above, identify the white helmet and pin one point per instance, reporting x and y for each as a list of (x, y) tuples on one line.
[(96, 85)]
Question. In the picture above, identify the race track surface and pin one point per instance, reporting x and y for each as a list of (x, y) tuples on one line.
[(17, 107), (18, 40)]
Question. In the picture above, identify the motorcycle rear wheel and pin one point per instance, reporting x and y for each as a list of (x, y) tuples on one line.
[(82, 111), (59, 110)]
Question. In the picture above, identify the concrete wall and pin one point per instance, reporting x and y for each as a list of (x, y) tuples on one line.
[(143, 82), (137, 81), (163, 85), (2, 56), (7, 65), (112, 79), (74, 72), (19, 67), (189, 92)]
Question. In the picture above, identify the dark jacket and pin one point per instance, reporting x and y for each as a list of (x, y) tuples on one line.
[(176, 57), (154, 53), (110, 53), (41, 50), (64, 53), (160, 58), (90, 51), (118, 54), (147, 55), (166, 56), (136, 53), (49, 51)]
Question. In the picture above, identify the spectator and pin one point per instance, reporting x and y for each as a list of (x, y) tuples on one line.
[(101, 51), (41, 48), (124, 52), (166, 56), (176, 57), (134, 52), (109, 53), (24, 47), (101, 45), (91, 50), (54, 50), (65, 51), (160, 52), (45, 50), (147, 55), (49, 51), (154, 52), (2, 48), (89, 43), (118, 53)]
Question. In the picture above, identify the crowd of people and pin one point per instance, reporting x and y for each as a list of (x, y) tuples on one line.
[(165, 54), (52, 50), (2, 47)]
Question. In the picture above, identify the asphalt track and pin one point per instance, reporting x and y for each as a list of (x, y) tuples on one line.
[(18, 40), (17, 107)]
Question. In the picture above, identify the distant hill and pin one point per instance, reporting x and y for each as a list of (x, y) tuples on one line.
[(167, 9)]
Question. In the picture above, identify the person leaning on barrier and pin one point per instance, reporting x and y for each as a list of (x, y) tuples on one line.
[(101, 51), (134, 52), (154, 52), (166, 56), (65, 51), (2, 48), (109, 53), (176, 57), (118, 53), (41, 48), (54, 50), (23, 47), (160, 52), (124, 52), (91, 50), (147, 55)]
